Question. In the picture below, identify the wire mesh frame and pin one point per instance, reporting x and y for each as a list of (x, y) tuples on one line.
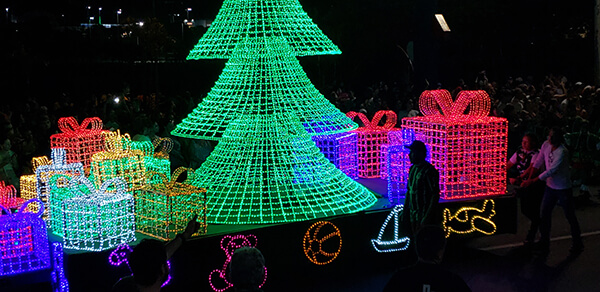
[(119, 161), (248, 19), (398, 165), (163, 210), (469, 152), (60, 191), (341, 150), (23, 241), (266, 169), (58, 166), (79, 141), (8, 196), (101, 220), (262, 77)]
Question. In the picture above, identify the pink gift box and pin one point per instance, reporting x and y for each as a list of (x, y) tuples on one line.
[(469, 149)]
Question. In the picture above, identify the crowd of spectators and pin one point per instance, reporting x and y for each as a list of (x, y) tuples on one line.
[(530, 105)]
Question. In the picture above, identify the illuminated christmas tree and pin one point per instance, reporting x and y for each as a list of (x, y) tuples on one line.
[(267, 169), (262, 70), (239, 20), (263, 110)]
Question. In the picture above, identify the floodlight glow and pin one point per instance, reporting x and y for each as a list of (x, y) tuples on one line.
[(262, 77), (442, 21), (468, 149)]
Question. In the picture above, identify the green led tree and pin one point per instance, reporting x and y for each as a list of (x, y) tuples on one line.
[(241, 19), (263, 110), (266, 169), (254, 77)]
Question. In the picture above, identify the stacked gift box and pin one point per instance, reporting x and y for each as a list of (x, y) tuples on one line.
[(467, 146), (370, 137)]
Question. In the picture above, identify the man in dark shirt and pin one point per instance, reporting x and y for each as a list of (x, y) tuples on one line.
[(423, 191), (427, 275)]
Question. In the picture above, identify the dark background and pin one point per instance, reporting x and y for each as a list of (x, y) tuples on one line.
[(46, 53)]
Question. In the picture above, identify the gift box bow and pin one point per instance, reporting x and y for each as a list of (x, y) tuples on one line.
[(8, 196), (162, 147), (390, 120), (115, 142), (170, 184), (23, 211), (39, 161), (70, 125), (439, 103), (78, 183)]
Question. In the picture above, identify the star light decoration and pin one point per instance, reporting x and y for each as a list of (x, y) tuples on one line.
[(468, 147), (101, 220), (239, 20), (59, 165), (23, 241), (119, 161), (370, 138), (28, 183), (263, 76), (163, 209), (79, 141)]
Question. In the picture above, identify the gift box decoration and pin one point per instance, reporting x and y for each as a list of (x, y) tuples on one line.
[(60, 190), (468, 147), (28, 182), (119, 160), (162, 210), (100, 220), (394, 138), (341, 150), (370, 138), (59, 165), (8, 196), (156, 158), (23, 241), (79, 141)]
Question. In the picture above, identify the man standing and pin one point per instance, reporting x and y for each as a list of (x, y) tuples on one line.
[(554, 155), (423, 191)]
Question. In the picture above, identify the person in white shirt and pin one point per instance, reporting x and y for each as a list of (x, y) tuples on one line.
[(554, 156)]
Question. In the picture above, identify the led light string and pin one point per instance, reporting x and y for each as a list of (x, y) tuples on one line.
[(266, 169), (23, 241), (229, 244), (469, 150), (100, 220), (341, 150), (238, 21), (397, 243), (315, 236), (262, 77), (470, 219), (162, 210), (79, 141)]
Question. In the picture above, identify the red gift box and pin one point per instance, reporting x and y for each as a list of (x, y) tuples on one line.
[(79, 141), (468, 147), (370, 138)]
